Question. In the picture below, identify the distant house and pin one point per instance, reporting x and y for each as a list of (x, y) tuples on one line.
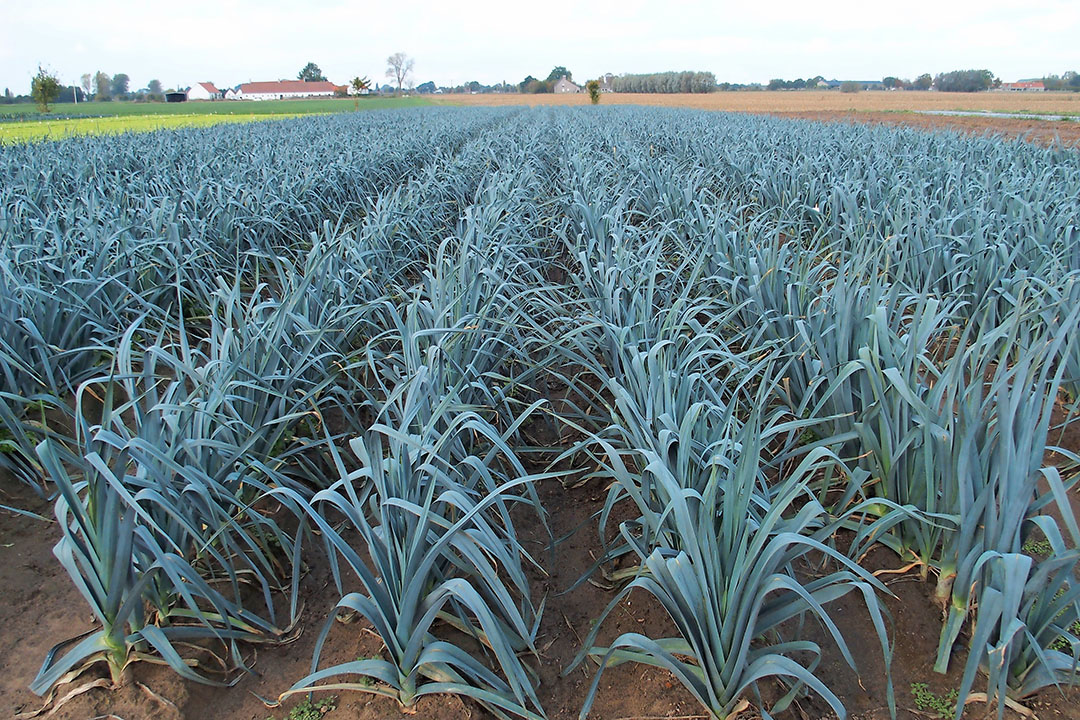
[(863, 84), (203, 91), (607, 82), (230, 94), (283, 90), (562, 85), (1024, 86)]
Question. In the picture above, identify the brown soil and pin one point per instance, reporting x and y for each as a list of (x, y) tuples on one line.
[(802, 101)]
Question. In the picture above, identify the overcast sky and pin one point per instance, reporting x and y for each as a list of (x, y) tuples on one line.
[(234, 41)]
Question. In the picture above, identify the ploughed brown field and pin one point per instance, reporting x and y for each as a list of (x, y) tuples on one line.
[(893, 108)]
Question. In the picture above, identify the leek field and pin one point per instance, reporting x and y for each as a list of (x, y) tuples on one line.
[(792, 362)]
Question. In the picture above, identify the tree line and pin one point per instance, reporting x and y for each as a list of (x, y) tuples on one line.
[(1069, 80), (46, 88), (665, 82), (953, 81)]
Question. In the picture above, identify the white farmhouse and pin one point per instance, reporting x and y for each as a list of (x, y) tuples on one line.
[(1024, 86), (203, 91), (565, 86), (284, 90)]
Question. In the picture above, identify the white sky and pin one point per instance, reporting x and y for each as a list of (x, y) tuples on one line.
[(233, 41)]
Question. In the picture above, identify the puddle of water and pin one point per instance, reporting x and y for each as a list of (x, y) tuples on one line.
[(979, 113)]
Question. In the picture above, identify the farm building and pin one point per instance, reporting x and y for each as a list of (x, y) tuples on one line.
[(283, 90), (203, 91), (607, 82), (565, 86), (1024, 86), (863, 84)]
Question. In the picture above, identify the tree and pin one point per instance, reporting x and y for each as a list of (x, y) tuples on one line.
[(119, 85), (359, 85), (311, 73), (154, 89), (398, 67), (890, 82), (850, 86), (44, 88), (965, 81), (427, 88), (529, 80), (9, 97), (923, 82), (102, 83), (87, 83), (593, 86), (559, 72)]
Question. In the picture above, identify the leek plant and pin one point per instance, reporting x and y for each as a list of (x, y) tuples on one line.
[(997, 450), (140, 583), (716, 550), (435, 520), (1024, 635)]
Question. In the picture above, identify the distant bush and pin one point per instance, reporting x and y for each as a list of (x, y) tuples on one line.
[(850, 86), (593, 86)]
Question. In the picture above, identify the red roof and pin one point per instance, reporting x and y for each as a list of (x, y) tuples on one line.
[(1026, 84), (209, 87), (280, 87)]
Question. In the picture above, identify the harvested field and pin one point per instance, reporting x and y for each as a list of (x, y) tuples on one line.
[(804, 101)]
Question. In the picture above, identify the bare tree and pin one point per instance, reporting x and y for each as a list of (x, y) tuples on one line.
[(398, 67), (87, 84)]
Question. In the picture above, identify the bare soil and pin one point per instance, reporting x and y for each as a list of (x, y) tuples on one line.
[(802, 101)]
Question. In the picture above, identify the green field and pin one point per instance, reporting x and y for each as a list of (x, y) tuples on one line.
[(24, 123), (17, 132), (268, 107)]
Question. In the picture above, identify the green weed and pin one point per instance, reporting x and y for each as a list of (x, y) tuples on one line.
[(1037, 547), (944, 706), (308, 710)]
